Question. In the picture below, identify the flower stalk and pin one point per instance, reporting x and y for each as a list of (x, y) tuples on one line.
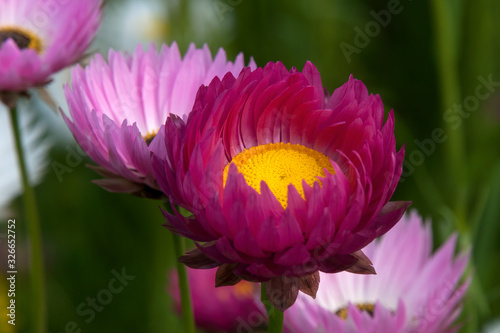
[(187, 308), (275, 316), (37, 278)]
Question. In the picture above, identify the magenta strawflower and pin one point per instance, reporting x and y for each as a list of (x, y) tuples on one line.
[(221, 309), (414, 290), (282, 180), (38, 38), (118, 106)]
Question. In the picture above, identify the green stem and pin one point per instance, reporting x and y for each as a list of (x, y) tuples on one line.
[(187, 309), (37, 299), (275, 316), (180, 27), (446, 44), (159, 301)]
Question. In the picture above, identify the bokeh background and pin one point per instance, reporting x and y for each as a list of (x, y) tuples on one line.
[(425, 59)]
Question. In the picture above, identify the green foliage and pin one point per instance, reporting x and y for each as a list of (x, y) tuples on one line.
[(88, 233)]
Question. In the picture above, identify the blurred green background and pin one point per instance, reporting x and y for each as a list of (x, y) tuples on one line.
[(425, 59)]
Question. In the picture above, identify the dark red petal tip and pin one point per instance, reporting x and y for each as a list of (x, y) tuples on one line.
[(225, 276), (309, 284), (100, 170), (392, 206), (119, 185), (196, 259), (363, 265), (282, 291), (390, 214)]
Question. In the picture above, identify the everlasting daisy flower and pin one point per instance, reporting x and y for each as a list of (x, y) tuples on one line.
[(38, 38), (36, 149), (282, 180), (414, 290), (118, 106), (220, 309)]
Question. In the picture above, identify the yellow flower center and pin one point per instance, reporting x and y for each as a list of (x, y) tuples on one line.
[(279, 165), (367, 307), (149, 136), (23, 38)]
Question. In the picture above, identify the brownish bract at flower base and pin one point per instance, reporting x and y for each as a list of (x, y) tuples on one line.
[(238, 165)]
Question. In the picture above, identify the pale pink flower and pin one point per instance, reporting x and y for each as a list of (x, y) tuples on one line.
[(40, 37), (118, 106), (414, 290)]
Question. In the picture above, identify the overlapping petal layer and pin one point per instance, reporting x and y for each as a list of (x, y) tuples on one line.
[(247, 231), (62, 29), (414, 290), (118, 106)]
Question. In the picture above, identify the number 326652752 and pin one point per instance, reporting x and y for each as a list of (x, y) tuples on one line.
[(11, 258)]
